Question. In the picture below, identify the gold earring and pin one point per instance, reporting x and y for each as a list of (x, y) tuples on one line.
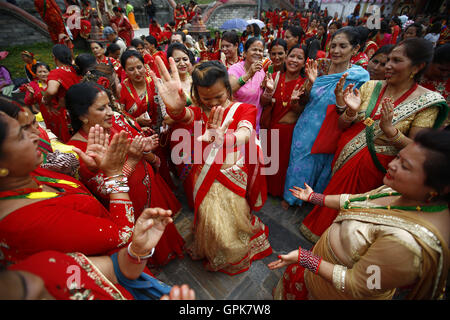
[(85, 121), (4, 172), (412, 75)]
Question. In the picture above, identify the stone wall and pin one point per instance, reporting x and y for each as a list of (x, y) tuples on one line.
[(15, 32), (224, 13)]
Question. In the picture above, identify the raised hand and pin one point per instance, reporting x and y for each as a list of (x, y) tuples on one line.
[(311, 70), (387, 114), (302, 194), (180, 293), (96, 148), (284, 260), (169, 86), (115, 155), (298, 91), (149, 228), (269, 83), (339, 90), (352, 98), (215, 131)]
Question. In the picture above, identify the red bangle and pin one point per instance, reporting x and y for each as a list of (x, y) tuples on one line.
[(176, 117), (317, 199), (308, 260)]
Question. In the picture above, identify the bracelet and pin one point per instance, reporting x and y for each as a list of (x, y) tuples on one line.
[(146, 152), (176, 117), (399, 135), (339, 277), (347, 118), (137, 258), (308, 260), (114, 176), (117, 185), (241, 81), (317, 199), (127, 171), (341, 108)]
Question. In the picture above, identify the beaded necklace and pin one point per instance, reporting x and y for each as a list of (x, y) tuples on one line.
[(435, 208)]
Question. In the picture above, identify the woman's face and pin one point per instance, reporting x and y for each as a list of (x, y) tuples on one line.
[(255, 52), (277, 55), (141, 49), (290, 39), (182, 61), (149, 47), (135, 70), (97, 51), (42, 73), (99, 112), (213, 96), (20, 153), (320, 31), (341, 50), (406, 174), (27, 121), (295, 61), (26, 58), (377, 66), (332, 29), (229, 50), (313, 23), (410, 33), (398, 66)]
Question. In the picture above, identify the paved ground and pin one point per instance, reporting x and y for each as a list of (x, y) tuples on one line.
[(256, 283)]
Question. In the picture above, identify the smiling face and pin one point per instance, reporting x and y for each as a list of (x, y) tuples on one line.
[(399, 67), (277, 56), (255, 52), (341, 50), (99, 112), (213, 96), (182, 61), (406, 173), (377, 66), (295, 61), (20, 153)]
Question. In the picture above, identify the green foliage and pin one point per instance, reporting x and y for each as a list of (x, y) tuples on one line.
[(42, 52)]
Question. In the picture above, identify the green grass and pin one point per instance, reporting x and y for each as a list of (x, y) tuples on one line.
[(42, 52)]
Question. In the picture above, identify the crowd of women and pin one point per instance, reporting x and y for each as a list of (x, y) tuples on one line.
[(353, 124)]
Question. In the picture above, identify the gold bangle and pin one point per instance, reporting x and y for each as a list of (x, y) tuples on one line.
[(339, 273), (347, 118)]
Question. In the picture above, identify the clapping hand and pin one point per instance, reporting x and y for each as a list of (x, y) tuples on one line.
[(339, 90), (96, 147), (136, 148), (387, 114), (352, 98), (311, 70), (298, 91), (151, 143)]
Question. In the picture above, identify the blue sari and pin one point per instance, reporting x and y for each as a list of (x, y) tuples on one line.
[(315, 169)]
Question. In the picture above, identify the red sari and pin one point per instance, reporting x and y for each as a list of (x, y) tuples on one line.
[(370, 49), (246, 182), (180, 17), (52, 16), (360, 59), (282, 96), (147, 190), (58, 120), (73, 221), (128, 33)]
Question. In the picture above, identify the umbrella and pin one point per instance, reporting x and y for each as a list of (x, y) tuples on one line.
[(239, 24), (258, 22)]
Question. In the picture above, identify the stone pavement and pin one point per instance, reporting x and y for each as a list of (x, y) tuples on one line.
[(256, 283)]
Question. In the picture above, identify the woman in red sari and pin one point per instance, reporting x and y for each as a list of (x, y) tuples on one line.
[(44, 210), (179, 16), (282, 92), (226, 235), (98, 50), (59, 81), (89, 106), (138, 98), (122, 26), (46, 275), (35, 88), (359, 166)]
